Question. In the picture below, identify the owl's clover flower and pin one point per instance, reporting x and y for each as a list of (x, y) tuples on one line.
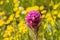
[(33, 19)]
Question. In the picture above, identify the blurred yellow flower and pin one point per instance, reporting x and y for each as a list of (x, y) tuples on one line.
[(55, 12), (48, 15), (1, 2), (6, 39), (52, 22), (17, 14), (45, 25), (55, 6), (34, 8), (15, 9), (43, 12), (21, 8), (1, 13), (7, 1), (15, 1), (54, 30), (50, 33), (58, 15), (43, 16), (41, 7), (10, 28), (4, 17), (11, 17), (7, 22), (16, 4), (1, 22)]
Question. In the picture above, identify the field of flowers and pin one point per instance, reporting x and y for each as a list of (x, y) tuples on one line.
[(13, 24)]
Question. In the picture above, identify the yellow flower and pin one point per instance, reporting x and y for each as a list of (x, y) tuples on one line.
[(58, 15), (11, 17), (48, 15), (16, 4), (54, 12), (10, 28), (21, 8), (54, 17), (6, 39), (32, 8), (15, 9), (21, 23), (7, 1), (1, 13), (45, 25), (25, 30), (1, 22), (35, 8), (52, 22), (43, 12), (54, 30), (17, 14), (43, 16), (49, 19), (55, 6), (7, 22), (15, 1), (41, 7), (4, 17), (1, 2), (50, 33)]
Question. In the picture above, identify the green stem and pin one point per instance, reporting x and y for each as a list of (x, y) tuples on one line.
[(35, 35)]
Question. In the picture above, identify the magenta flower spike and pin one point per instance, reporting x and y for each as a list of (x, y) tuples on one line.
[(33, 19)]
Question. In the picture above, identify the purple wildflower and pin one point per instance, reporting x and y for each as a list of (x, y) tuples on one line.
[(33, 19)]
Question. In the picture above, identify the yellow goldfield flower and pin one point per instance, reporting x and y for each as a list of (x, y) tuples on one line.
[(49, 19), (7, 22), (50, 33), (1, 2), (45, 25), (43, 12), (17, 14), (43, 16), (52, 22), (15, 1), (25, 30), (10, 28), (58, 15), (54, 12), (4, 17), (1, 13), (11, 17), (15, 9), (21, 23), (54, 30), (6, 39), (55, 6), (1, 22), (48, 15), (41, 7), (34, 8), (21, 8), (54, 17), (16, 5), (7, 1)]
